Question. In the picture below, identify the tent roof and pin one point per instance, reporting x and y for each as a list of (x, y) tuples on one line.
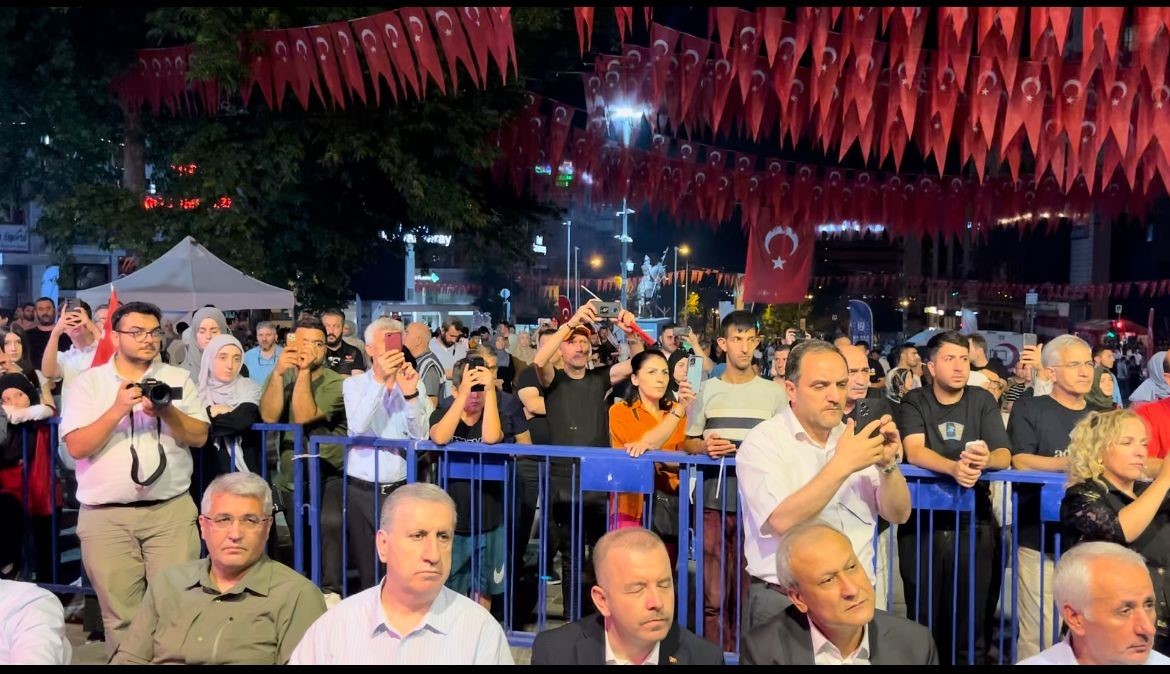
[(188, 277)]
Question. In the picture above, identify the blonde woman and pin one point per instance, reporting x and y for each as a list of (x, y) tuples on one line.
[(1107, 501)]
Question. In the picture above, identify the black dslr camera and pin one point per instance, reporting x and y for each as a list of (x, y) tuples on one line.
[(159, 393)]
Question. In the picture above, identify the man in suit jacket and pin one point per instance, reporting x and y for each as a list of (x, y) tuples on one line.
[(832, 620), (635, 624)]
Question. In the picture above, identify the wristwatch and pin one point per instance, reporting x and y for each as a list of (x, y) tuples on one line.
[(890, 468), (412, 396)]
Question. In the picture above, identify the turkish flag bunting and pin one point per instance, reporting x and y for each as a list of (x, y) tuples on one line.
[(725, 18), (284, 72), (1026, 104), (479, 32), (770, 22), (305, 65), (327, 59), (747, 47), (779, 263), (558, 133), (368, 31), (694, 57), (663, 41), (454, 43), (1108, 20), (423, 43), (504, 46), (394, 41), (257, 51), (583, 17)]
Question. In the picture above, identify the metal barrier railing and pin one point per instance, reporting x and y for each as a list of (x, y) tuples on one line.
[(524, 477)]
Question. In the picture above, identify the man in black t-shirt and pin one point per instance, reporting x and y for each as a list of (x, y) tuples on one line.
[(340, 356), (955, 430), (38, 337), (478, 416), (1039, 427), (574, 399)]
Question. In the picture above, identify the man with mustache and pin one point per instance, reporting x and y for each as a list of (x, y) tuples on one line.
[(1107, 601), (635, 624), (805, 464), (832, 620)]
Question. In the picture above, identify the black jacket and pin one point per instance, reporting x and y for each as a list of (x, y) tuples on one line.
[(786, 640), (583, 643)]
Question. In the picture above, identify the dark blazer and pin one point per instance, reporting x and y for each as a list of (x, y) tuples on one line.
[(583, 643), (786, 640)]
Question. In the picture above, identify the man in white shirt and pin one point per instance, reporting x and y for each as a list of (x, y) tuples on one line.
[(449, 346), (387, 402), (1107, 601), (411, 617), (32, 626), (83, 334), (133, 465), (804, 464)]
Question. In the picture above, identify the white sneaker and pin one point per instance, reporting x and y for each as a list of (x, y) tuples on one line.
[(332, 599)]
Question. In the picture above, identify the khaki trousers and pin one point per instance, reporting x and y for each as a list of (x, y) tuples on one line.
[(1031, 596), (123, 547)]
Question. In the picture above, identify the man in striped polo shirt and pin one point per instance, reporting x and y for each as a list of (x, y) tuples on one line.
[(725, 410)]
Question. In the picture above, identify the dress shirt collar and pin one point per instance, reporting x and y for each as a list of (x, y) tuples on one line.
[(257, 580), (611, 658), (821, 644), (438, 617), (151, 370), (794, 427)]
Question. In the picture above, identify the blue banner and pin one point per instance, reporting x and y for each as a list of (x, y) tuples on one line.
[(860, 322)]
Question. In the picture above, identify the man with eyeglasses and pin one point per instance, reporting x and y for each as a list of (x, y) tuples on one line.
[(237, 606), (1039, 427), (301, 390), (131, 529)]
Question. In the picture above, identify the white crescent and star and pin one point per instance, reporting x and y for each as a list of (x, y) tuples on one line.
[(779, 230)]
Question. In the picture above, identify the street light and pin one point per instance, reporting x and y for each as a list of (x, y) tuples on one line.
[(626, 115), (624, 237), (685, 250), (596, 262), (576, 280), (568, 251)]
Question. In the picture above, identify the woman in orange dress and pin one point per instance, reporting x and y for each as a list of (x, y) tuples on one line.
[(650, 418)]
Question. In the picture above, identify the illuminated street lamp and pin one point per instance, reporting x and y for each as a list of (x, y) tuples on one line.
[(686, 251)]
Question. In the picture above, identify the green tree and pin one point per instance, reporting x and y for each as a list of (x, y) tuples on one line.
[(315, 195)]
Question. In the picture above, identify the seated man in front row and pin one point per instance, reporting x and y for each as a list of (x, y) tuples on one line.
[(635, 603), (237, 606), (1109, 605), (832, 620)]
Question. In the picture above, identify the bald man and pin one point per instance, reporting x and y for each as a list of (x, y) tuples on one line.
[(635, 623), (416, 339)]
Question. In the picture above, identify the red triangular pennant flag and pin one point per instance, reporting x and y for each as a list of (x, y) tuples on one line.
[(105, 346)]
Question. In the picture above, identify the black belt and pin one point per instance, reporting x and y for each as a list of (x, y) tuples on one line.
[(134, 504), (383, 488)]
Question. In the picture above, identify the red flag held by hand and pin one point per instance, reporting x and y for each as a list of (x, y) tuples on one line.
[(105, 347)]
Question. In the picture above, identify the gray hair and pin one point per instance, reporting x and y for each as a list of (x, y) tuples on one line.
[(249, 485), (1073, 579), (1052, 352), (416, 491), (382, 323), (265, 325), (788, 543), (798, 352)]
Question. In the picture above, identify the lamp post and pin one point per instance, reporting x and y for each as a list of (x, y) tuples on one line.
[(568, 255), (905, 304), (626, 116), (685, 250), (576, 280)]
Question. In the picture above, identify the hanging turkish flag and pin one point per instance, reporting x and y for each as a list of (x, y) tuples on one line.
[(255, 47), (663, 41), (558, 132), (756, 98), (583, 17), (105, 346), (479, 32), (779, 264), (341, 38), (284, 72), (454, 43), (323, 51), (625, 21), (503, 45), (1108, 21), (723, 83), (747, 48), (1121, 87), (1026, 104), (1071, 99), (725, 24), (770, 22), (694, 58), (305, 66), (984, 99), (423, 43), (369, 35)]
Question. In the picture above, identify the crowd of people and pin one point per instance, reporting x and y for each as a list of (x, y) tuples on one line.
[(798, 530)]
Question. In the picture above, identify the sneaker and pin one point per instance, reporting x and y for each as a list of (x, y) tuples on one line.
[(332, 599), (95, 636), (553, 578)]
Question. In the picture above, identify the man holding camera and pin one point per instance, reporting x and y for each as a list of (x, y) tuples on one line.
[(135, 418)]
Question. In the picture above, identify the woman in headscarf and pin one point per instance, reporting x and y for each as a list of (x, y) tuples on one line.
[(1155, 387), (205, 324), (1100, 396), (24, 437), (233, 405)]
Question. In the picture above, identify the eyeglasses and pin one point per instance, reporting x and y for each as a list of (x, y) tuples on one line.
[(315, 343), (247, 522), (141, 335), (1088, 365)]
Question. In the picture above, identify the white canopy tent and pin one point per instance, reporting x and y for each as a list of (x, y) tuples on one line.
[(188, 277)]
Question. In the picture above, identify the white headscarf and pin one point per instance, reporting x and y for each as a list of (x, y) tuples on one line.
[(193, 355), (234, 393)]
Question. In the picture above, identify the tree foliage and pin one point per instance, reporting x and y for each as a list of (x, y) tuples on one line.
[(315, 195)]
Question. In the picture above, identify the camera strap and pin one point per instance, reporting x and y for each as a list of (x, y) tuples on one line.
[(134, 464)]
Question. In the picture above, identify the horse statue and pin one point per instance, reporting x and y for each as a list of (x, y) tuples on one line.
[(653, 276)]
